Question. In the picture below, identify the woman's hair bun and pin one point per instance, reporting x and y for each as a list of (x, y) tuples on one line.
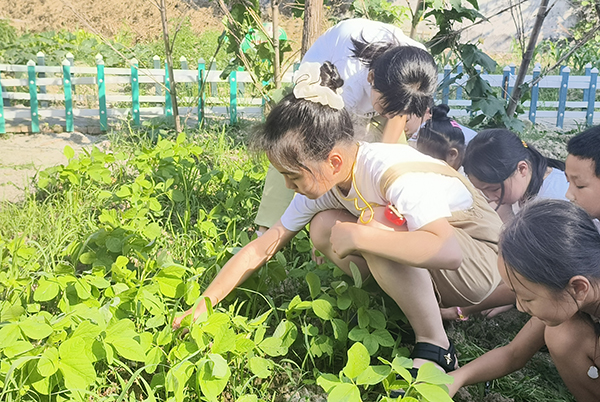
[(440, 112), (330, 77)]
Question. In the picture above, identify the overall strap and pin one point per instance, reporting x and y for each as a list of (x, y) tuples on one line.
[(397, 170)]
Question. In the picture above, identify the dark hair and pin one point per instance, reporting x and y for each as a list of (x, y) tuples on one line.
[(438, 135), (406, 76), (529, 244), (587, 146), (299, 130), (492, 156)]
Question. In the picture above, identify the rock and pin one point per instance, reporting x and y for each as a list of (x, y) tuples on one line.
[(57, 128)]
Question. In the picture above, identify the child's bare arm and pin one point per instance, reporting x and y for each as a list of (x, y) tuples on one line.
[(241, 266), (502, 361), (434, 246), (394, 128)]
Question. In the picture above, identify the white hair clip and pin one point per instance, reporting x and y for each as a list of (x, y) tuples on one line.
[(308, 86)]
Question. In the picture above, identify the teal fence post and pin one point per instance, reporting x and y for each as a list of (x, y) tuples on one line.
[(101, 93), (135, 92), (41, 61), (233, 97), (67, 86), (459, 70), (69, 56), (2, 120), (213, 85), (168, 101), (33, 100), (562, 97), (535, 93), (588, 73), (505, 81), (445, 86), (156, 66), (513, 71), (592, 97), (201, 85)]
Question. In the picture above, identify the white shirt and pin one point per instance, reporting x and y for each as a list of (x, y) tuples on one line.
[(421, 197), (336, 46), (554, 187)]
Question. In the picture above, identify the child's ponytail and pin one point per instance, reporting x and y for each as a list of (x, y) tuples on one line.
[(493, 155), (440, 134)]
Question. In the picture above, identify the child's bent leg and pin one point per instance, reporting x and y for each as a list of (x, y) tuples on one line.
[(572, 346), (320, 234), (412, 289)]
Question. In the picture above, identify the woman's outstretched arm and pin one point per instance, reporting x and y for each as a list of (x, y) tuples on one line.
[(240, 267), (502, 361)]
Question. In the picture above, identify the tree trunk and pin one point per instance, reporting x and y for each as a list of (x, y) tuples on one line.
[(313, 11), (169, 57), (416, 18), (277, 62), (535, 33)]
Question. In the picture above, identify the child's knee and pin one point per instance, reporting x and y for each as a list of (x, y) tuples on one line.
[(321, 224)]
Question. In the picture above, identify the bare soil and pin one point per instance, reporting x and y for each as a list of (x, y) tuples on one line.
[(23, 156)]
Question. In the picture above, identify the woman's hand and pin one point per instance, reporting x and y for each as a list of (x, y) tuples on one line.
[(343, 238)]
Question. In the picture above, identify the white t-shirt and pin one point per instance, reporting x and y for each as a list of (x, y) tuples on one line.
[(421, 197), (554, 187), (336, 46)]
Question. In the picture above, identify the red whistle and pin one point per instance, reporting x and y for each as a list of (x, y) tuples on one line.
[(395, 217)]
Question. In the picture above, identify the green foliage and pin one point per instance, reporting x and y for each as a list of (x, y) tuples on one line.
[(85, 46), (380, 10)]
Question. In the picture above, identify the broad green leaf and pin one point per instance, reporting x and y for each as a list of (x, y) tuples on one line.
[(128, 348), (428, 373), (153, 358), (273, 347), (327, 381), (177, 195), (433, 393), (10, 334), (35, 329), (344, 301), (210, 385), (69, 152), (191, 292), (323, 309), (383, 337), (156, 321), (122, 261), (373, 375), (46, 290), (48, 363), (224, 340), (363, 318), (358, 334), (170, 281), (344, 393), (260, 367), (356, 275), (220, 367), (177, 377), (376, 319), (371, 344), (340, 329), (287, 332), (17, 348), (358, 360), (87, 258), (153, 230), (78, 371), (314, 284)]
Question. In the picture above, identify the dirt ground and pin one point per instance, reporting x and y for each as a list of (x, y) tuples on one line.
[(22, 156)]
